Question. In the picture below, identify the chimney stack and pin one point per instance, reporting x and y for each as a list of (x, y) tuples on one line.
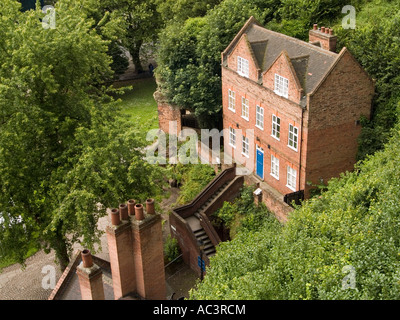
[(148, 253), (119, 238), (324, 37), (90, 278), (136, 251)]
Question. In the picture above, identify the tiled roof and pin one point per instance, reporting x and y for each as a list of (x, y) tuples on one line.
[(68, 286), (310, 62)]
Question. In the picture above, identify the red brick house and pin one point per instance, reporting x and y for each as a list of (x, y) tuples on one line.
[(303, 101)]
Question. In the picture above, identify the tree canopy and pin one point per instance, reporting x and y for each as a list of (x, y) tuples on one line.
[(63, 148)]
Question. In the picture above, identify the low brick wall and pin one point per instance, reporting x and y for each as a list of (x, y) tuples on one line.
[(167, 113), (271, 198)]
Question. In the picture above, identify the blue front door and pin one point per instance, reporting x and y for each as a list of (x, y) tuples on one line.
[(260, 162)]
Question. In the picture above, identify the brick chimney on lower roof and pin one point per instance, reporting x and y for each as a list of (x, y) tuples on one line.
[(90, 278), (323, 37), (135, 246), (148, 252), (119, 239)]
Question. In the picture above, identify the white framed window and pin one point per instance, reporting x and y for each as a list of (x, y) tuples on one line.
[(275, 167), (245, 108), (281, 86), (293, 137), (232, 100), (260, 117), (291, 178), (243, 66), (245, 146), (276, 127), (232, 137)]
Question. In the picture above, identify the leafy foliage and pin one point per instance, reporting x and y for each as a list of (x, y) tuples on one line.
[(178, 11), (171, 248), (63, 148), (375, 44), (243, 214), (189, 59), (355, 223), (194, 178)]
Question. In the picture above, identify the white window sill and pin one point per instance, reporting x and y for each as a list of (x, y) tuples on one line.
[(233, 110), (232, 145), (245, 155), (247, 119), (261, 128), (292, 148), (275, 137), (281, 95), (276, 177), (291, 188), (243, 74)]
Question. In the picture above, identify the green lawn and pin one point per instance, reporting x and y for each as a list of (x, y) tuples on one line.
[(138, 103)]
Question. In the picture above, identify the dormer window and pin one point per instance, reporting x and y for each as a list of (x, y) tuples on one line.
[(243, 67), (281, 86)]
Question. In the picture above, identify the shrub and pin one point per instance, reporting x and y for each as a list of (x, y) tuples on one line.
[(171, 249)]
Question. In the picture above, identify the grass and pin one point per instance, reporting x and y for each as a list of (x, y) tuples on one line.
[(138, 103)]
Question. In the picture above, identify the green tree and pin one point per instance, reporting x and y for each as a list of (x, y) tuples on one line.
[(141, 22), (178, 11), (63, 149), (189, 58), (375, 44)]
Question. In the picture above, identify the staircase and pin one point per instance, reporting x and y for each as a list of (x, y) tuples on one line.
[(191, 223), (209, 248), (198, 230)]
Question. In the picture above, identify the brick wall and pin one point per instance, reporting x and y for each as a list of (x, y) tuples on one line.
[(289, 113), (244, 50), (327, 128), (334, 110), (148, 256), (283, 68), (167, 113)]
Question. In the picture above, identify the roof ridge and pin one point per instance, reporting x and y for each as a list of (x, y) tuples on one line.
[(293, 39)]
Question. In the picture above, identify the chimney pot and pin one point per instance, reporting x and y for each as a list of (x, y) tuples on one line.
[(123, 210), (323, 29), (115, 219), (315, 27), (139, 212), (331, 31), (87, 258), (327, 30), (131, 207), (150, 206)]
